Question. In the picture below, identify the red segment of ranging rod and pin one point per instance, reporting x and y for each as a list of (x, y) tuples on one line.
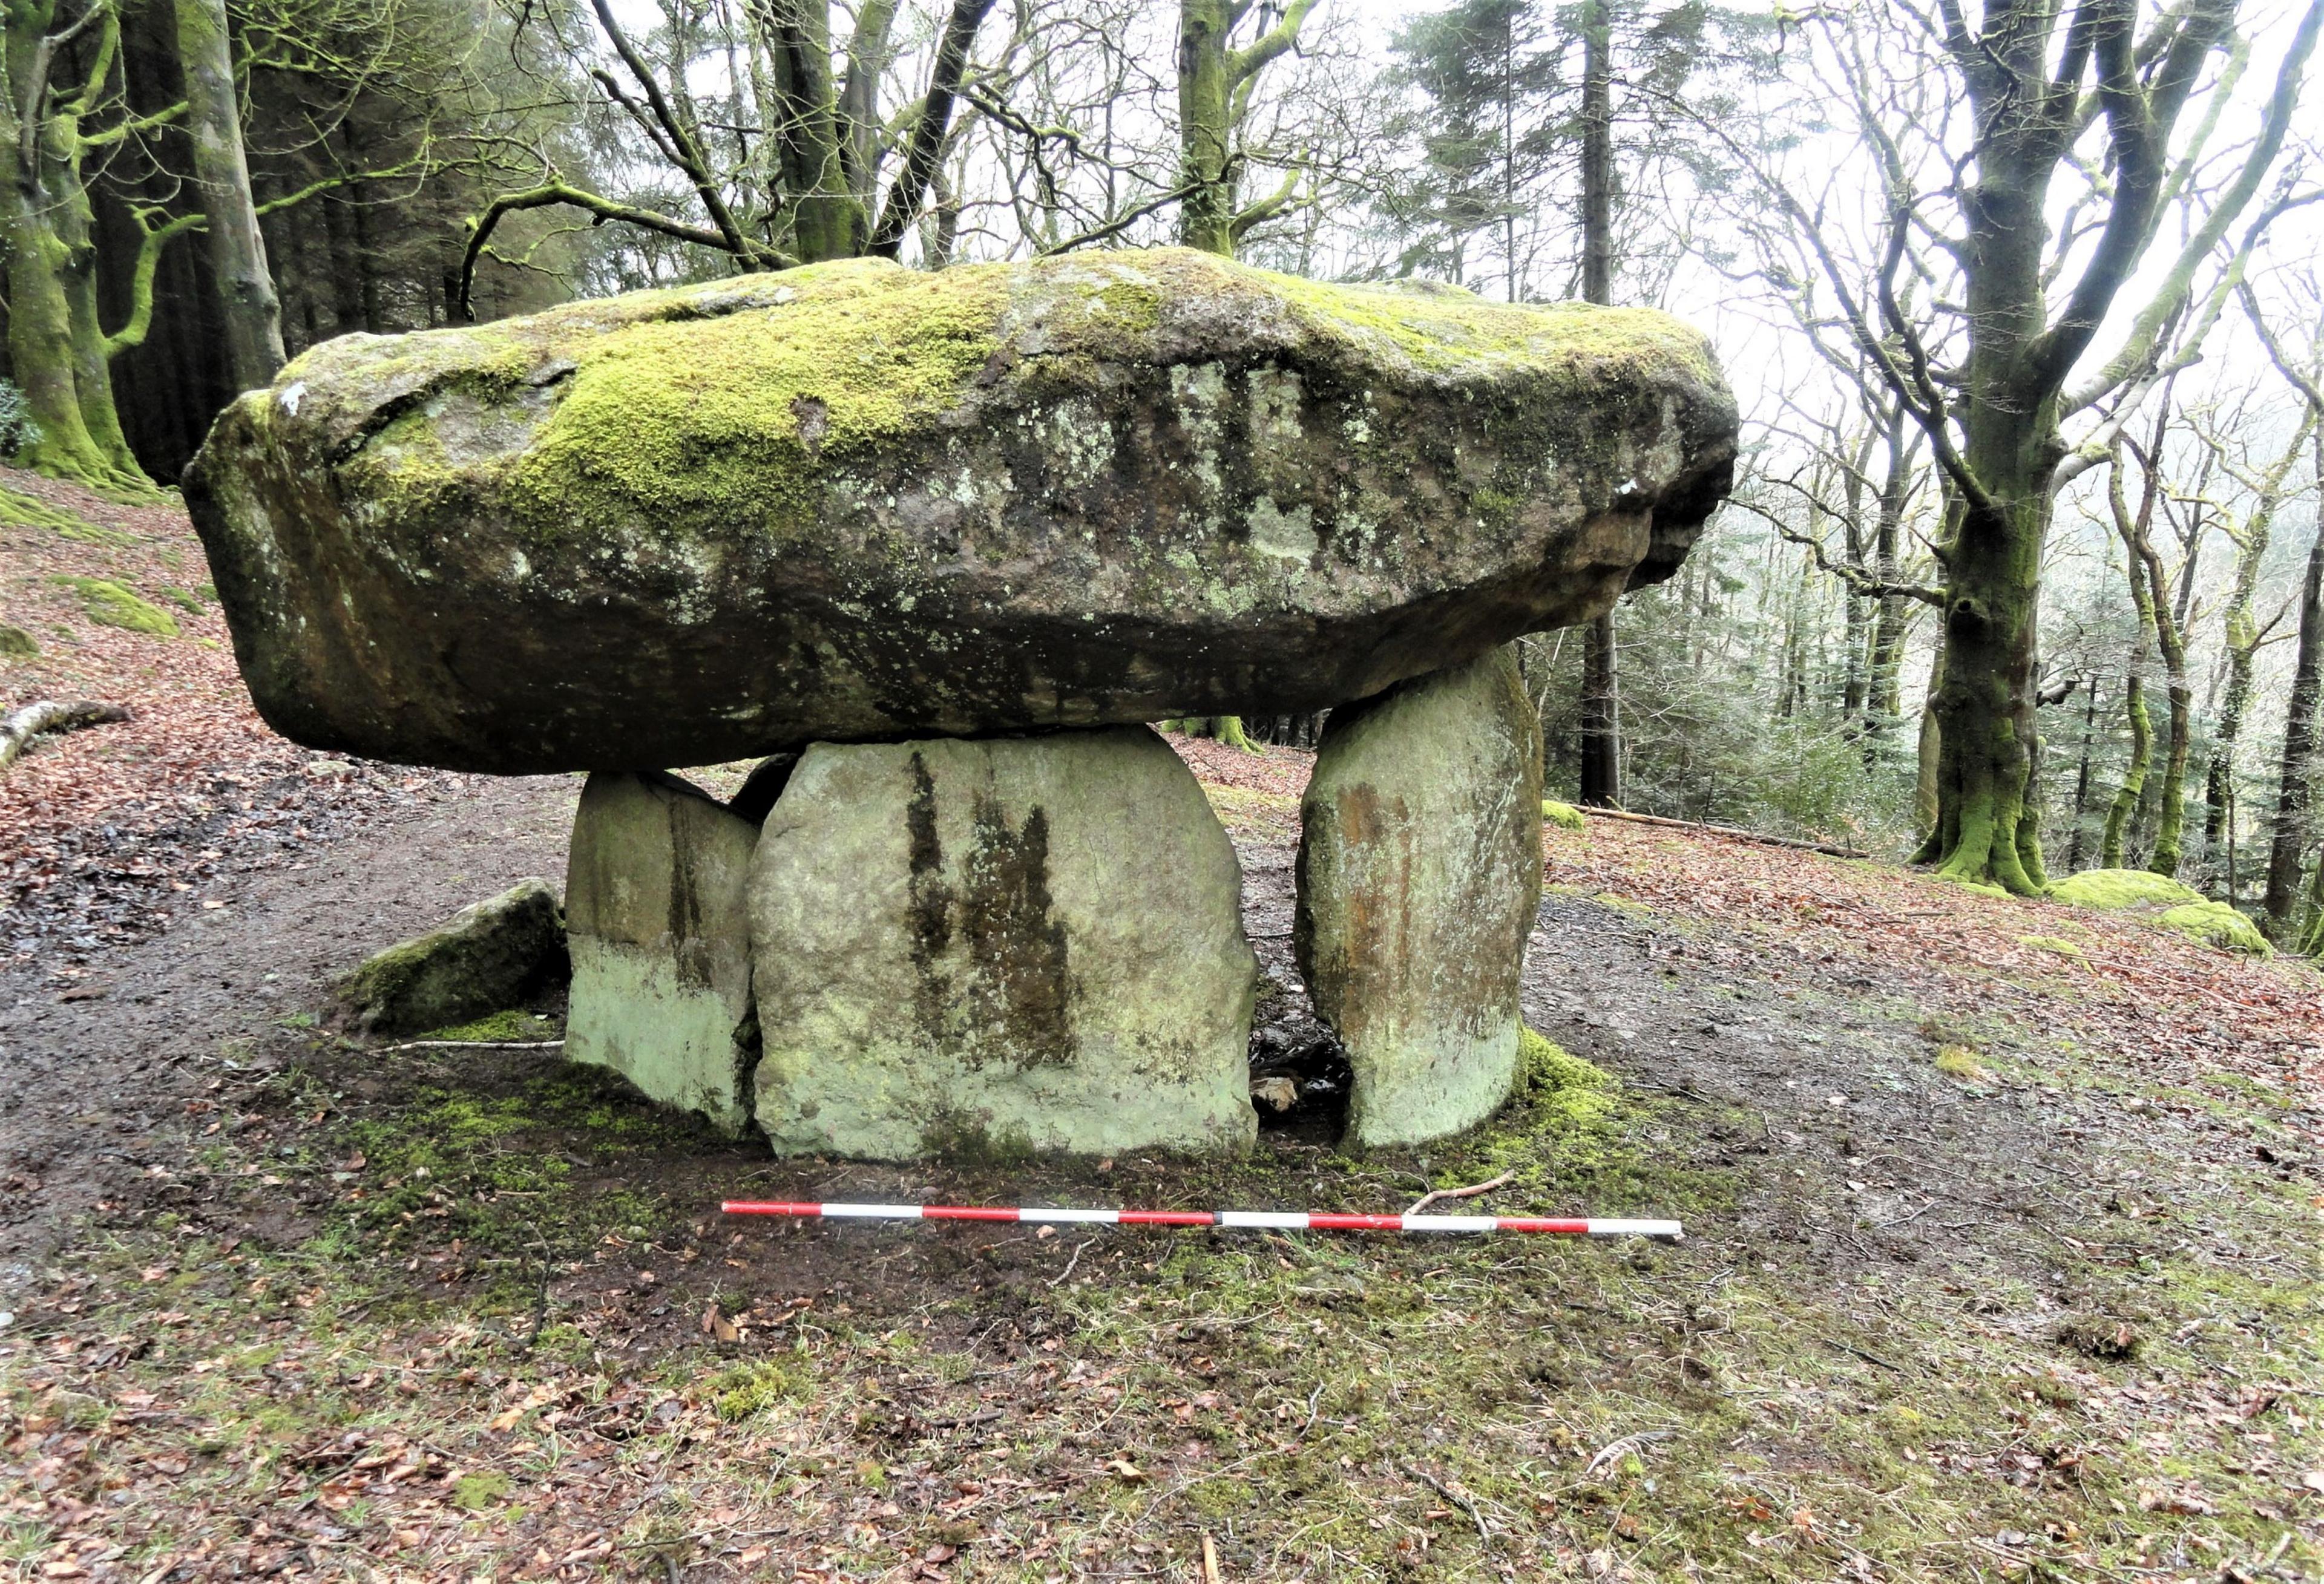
[(1290, 1221)]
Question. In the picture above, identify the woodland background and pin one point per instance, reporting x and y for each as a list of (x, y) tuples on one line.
[(2022, 307)]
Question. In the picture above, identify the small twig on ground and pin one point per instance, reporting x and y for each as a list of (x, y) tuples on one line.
[(1867, 1357), (1455, 1496), (19, 727), (1614, 1451), (1059, 1279), (1475, 1188), (1210, 1560), (477, 1044)]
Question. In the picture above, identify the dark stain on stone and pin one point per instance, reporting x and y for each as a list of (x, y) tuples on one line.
[(1020, 979), (689, 941), (931, 897), (994, 975)]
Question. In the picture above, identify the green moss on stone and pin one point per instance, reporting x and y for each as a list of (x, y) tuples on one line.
[(111, 604), (738, 402), (1564, 815), (2215, 924), (17, 644), (2117, 888), (685, 416)]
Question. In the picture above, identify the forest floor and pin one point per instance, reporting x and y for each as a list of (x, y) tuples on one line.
[(2004, 1253)]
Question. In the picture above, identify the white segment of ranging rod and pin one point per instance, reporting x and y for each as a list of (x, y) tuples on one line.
[(1289, 1220)]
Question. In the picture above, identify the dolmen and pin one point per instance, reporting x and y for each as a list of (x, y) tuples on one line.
[(936, 547)]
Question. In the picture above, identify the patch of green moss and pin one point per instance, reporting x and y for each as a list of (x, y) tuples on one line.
[(1438, 332), (1561, 1083), (111, 604), (480, 1491), (1958, 1061), (510, 1025), (1564, 815), (184, 599), (2114, 889), (2215, 924), (18, 509), (738, 418), (748, 1389), (17, 644), (2063, 947)]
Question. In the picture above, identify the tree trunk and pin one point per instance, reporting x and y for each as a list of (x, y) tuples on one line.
[(828, 221), (1206, 213), (2128, 797), (2289, 835), (1884, 703), (1596, 153), (1601, 716), (253, 316), (2161, 619), (1602, 695), (2082, 777)]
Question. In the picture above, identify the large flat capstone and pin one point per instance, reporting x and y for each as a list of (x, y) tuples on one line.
[(1022, 942), (1419, 877), (855, 501)]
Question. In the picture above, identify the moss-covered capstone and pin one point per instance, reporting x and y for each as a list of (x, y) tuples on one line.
[(855, 501), (661, 942), (1419, 874), (1000, 945), (489, 955)]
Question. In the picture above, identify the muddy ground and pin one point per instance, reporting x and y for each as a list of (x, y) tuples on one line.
[(285, 1305)]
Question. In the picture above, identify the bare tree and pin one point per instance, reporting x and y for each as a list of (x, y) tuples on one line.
[(2033, 93)]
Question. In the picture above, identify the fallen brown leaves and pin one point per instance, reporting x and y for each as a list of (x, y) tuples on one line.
[(100, 828), (2138, 993)]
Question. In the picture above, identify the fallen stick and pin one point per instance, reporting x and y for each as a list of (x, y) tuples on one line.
[(1826, 848), (1289, 1220), (476, 1045), (47, 715), (1475, 1188)]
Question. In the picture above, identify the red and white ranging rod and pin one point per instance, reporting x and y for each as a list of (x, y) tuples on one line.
[(1289, 1220)]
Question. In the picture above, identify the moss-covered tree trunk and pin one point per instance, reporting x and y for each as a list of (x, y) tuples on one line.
[(1987, 828), (1205, 127), (1884, 703), (2241, 632), (57, 349), (2289, 835), (245, 286), (2082, 776), (2132, 790), (2171, 821), (1995, 425), (2160, 623), (828, 220)]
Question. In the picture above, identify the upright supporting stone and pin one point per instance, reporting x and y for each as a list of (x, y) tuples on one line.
[(660, 942), (1419, 875), (1002, 944)]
